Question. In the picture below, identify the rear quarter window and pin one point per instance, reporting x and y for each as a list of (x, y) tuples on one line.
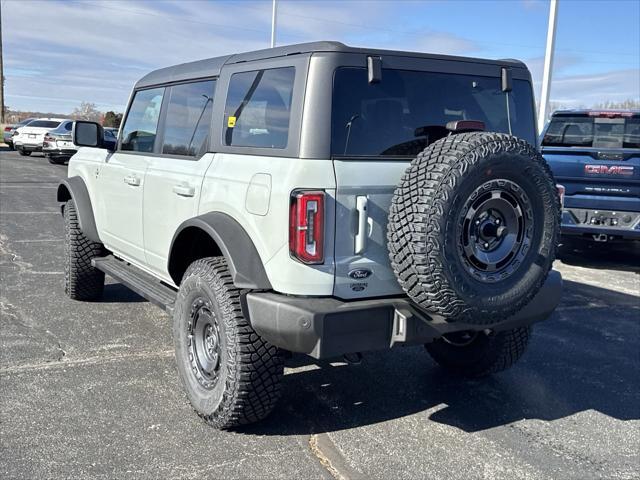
[(258, 108)]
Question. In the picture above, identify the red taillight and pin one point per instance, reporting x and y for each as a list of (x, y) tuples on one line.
[(561, 191), (7, 129), (306, 226)]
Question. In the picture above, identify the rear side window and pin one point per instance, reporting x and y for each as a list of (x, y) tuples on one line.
[(258, 108), (188, 118), (44, 123), (140, 127), (594, 129)]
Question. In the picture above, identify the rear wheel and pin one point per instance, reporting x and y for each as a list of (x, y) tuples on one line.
[(24, 153), (230, 374), (56, 160), (476, 354)]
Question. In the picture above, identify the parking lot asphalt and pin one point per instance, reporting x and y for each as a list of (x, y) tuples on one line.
[(90, 390)]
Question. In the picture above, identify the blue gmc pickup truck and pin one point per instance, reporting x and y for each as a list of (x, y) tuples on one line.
[(595, 155)]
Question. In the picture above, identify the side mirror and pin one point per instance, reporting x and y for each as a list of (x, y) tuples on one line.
[(88, 134)]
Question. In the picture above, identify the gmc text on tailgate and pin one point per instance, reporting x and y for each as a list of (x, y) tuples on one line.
[(595, 155)]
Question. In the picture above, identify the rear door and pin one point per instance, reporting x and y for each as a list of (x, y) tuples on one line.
[(378, 128), (174, 176), (121, 179)]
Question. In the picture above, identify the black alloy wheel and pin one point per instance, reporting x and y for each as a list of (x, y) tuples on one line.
[(496, 230)]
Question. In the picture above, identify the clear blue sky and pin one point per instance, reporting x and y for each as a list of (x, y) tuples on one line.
[(59, 53)]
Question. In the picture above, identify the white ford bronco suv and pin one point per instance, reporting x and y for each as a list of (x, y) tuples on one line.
[(321, 199)]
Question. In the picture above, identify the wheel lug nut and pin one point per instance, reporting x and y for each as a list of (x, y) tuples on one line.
[(486, 245), (497, 221), (477, 222)]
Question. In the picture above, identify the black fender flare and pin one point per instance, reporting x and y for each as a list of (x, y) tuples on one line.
[(74, 188), (243, 259)]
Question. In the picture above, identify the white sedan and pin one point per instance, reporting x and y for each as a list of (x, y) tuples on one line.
[(29, 138)]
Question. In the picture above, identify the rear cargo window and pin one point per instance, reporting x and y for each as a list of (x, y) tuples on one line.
[(596, 130), (408, 110), (44, 123), (258, 108)]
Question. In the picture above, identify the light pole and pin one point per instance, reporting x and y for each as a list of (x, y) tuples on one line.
[(274, 9), (548, 65), (1, 73)]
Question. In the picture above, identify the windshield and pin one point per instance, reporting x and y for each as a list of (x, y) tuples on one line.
[(408, 110), (596, 130)]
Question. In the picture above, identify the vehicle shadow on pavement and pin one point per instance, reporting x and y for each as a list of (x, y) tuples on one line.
[(622, 256), (584, 358), (118, 293)]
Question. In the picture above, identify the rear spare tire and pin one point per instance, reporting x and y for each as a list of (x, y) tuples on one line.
[(473, 227)]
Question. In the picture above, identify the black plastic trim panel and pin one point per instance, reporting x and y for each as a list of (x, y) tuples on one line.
[(328, 327), (75, 188), (241, 254)]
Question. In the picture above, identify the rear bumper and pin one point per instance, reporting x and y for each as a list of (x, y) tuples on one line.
[(328, 327), (29, 147), (58, 152), (616, 223)]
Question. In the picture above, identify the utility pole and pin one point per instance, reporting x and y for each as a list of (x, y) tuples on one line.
[(1, 73), (274, 9), (548, 65)]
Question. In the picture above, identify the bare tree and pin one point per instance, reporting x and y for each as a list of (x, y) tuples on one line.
[(87, 111)]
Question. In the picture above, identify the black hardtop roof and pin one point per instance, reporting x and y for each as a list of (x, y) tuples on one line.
[(211, 67)]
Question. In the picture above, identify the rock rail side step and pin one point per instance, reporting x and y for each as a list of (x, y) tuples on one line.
[(137, 280)]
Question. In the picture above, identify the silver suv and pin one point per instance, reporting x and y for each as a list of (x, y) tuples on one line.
[(320, 199)]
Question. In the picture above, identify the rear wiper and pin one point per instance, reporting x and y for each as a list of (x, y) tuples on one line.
[(348, 127)]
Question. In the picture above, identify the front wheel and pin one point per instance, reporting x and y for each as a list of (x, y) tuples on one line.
[(477, 354), (230, 374), (82, 281)]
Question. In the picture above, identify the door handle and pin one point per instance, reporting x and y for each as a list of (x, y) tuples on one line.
[(132, 180), (363, 217), (184, 190)]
